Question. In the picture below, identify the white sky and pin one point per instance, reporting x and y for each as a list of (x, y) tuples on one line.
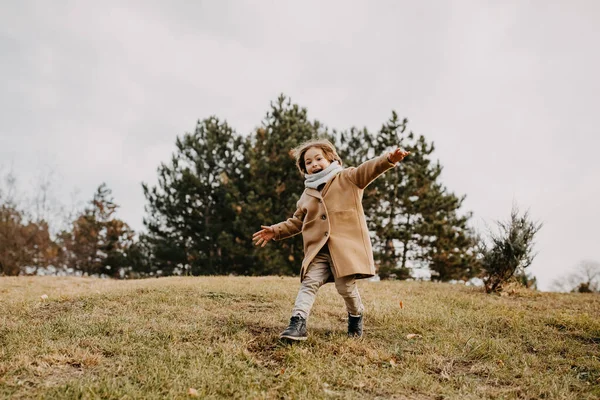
[(508, 91)]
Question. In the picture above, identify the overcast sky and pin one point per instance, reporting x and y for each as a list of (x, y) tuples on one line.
[(509, 91)]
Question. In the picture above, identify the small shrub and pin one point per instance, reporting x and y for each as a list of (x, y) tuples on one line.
[(510, 250)]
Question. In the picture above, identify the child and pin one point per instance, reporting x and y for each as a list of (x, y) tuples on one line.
[(330, 216)]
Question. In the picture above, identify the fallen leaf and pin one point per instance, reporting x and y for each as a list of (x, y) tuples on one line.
[(500, 363), (393, 362), (280, 372), (401, 304), (193, 392), (44, 296), (413, 336)]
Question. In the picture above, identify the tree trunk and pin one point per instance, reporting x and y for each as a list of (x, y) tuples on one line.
[(405, 243)]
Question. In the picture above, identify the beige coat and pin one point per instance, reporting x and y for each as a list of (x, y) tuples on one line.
[(336, 214)]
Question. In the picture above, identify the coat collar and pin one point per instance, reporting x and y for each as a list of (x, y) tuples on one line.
[(319, 195), (313, 192)]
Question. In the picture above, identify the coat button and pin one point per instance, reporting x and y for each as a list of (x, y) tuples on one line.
[(323, 216), (326, 234)]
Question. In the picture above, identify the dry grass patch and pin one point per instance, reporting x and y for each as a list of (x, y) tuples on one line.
[(157, 338)]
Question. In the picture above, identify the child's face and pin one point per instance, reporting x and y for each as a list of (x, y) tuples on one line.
[(315, 161)]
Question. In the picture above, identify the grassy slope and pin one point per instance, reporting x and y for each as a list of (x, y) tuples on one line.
[(157, 338)]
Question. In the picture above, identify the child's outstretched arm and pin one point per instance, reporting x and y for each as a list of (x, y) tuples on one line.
[(368, 171), (263, 236), (283, 230)]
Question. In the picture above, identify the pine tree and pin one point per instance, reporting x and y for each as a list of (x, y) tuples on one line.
[(388, 207), (191, 213), (449, 244), (415, 221), (275, 184), (355, 146), (219, 189)]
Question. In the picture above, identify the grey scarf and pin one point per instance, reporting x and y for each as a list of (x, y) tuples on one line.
[(314, 180)]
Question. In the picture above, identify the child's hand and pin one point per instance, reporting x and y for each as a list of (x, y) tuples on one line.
[(263, 236), (397, 155)]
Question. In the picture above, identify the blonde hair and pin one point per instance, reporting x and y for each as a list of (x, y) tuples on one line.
[(324, 145)]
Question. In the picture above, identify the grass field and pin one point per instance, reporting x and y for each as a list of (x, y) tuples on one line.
[(217, 337)]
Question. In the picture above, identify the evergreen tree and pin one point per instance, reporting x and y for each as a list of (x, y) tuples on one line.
[(140, 259), (387, 214), (192, 212), (449, 245), (355, 146), (275, 184), (414, 219), (219, 189), (509, 251)]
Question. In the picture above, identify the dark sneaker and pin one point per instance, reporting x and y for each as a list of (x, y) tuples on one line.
[(296, 330), (355, 326)]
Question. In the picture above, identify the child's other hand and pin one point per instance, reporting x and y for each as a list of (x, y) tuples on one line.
[(397, 155), (263, 236)]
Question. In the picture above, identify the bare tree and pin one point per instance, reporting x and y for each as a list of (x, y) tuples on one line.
[(26, 240), (8, 187), (585, 279)]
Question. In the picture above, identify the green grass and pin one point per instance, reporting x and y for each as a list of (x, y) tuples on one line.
[(157, 338)]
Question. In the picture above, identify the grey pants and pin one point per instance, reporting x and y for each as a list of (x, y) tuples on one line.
[(318, 273)]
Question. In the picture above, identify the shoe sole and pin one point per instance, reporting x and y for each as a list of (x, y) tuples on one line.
[(294, 338)]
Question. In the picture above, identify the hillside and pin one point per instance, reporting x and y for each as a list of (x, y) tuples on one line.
[(159, 338)]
